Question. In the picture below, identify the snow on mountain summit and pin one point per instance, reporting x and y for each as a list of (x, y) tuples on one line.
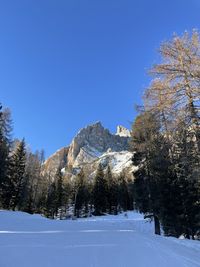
[(122, 131)]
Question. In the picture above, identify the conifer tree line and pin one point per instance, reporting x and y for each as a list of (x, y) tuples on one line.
[(24, 186), (83, 197), (166, 140), (21, 181)]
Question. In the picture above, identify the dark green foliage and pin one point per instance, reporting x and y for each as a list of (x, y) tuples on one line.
[(186, 165), (167, 181), (112, 191), (5, 142), (17, 175), (100, 192), (141, 191), (59, 190), (81, 194), (51, 205), (152, 154), (124, 194), (56, 198)]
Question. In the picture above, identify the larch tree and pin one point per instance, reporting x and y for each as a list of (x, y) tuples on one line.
[(175, 89), (173, 98)]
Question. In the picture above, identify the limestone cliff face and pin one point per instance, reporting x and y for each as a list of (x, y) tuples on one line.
[(93, 141), (92, 145), (55, 161)]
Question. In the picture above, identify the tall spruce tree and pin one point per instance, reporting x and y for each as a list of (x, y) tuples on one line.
[(59, 193), (100, 192), (51, 201), (123, 193), (5, 143), (81, 194), (16, 177), (152, 154), (112, 191), (187, 168)]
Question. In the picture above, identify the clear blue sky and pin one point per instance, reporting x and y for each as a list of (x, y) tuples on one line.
[(67, 63)]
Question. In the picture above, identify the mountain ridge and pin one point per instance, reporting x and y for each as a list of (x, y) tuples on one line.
[(92, 145)]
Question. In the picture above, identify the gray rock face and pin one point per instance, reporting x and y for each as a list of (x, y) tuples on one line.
[(88, 147), (93, 141), (57, 160)]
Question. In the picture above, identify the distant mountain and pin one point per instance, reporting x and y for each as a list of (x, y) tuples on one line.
[(93, 145)]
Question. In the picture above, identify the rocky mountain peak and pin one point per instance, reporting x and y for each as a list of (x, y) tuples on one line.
[(91, 144), (94, 140), (122, 131)]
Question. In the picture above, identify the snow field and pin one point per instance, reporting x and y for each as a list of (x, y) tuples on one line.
[(107, 241)]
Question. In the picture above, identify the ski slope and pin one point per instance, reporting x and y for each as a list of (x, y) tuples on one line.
[(109, 241)]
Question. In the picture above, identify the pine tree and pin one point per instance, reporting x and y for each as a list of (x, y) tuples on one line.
[(100, 192), (123, 193), (59, 192), (112, 191), (81, 194), (16, 177), (51, 201), (152, 153), (5, 143), (186, 166)]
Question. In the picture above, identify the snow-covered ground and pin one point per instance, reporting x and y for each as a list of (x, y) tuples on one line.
[(109, 241)]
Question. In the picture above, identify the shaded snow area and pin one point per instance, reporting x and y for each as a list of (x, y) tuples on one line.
[(109, 241)]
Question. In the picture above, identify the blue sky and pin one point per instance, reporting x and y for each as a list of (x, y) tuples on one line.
[(68, 63)]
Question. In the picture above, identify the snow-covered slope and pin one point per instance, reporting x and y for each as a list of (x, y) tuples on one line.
[(109, 241), (118, 161)]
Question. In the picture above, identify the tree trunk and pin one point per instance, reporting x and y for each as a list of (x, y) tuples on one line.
[(156, 222), (157, 225)]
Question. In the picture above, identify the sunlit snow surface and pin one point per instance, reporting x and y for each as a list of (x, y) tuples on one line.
[(109, 241)]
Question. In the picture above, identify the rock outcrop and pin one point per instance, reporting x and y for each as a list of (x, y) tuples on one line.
[(92, 145), (55, 161), (92, 141), (122, 131)]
